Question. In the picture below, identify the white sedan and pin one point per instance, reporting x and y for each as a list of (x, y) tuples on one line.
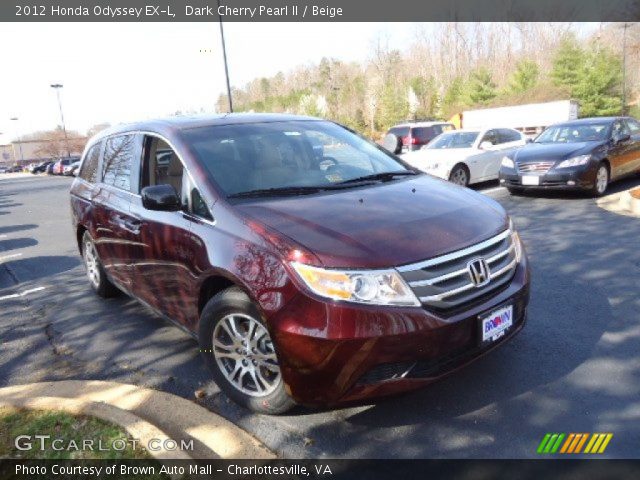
[(466, 156)]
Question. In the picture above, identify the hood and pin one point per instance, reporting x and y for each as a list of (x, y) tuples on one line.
[(383, 225), (554, 151)]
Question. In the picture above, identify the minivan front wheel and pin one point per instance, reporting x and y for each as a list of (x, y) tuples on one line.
[(95, 272), (236, 345)]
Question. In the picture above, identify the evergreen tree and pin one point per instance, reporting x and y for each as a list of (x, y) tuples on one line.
[(481, 87), (593, 77), (567, 62), (525, 77)]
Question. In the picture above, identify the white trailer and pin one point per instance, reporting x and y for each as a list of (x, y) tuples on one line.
[(530, 119)]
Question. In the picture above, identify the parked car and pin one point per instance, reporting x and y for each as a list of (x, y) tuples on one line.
[(467, 156), (59, 166), (14, 169), (71, 169), (411, 136), (582, 154), (49, 168), (302, 283), (3, 169), (41, 167)]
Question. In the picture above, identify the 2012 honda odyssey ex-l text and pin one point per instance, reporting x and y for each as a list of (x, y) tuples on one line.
[(313, 266)]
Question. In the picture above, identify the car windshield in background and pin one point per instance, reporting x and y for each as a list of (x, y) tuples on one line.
[(592, 132), (289, 157), (454, 140)]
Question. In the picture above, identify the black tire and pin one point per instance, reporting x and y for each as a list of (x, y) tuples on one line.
[(98, 279), (460, 175), (231, 302), (515, 191), (392, 142), (598, 189)]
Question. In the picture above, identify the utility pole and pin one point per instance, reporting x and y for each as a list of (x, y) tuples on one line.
[(226, 67), (15, 119), (624, 68), (57, 87)]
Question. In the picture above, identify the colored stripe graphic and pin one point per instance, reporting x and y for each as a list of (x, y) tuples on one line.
[(574, 442)]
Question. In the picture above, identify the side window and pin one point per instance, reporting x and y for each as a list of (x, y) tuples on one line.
[(619, 128), (634, 126), (89, 170), (490, 136), (118, 158), (161, 165), (507, 135)]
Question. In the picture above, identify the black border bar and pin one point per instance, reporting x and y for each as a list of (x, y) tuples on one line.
[(320, 10), (341, 469)]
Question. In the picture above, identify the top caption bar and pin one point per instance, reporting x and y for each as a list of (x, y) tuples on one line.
[(320, 11)]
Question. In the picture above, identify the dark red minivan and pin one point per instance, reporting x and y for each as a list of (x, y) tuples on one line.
[(312, 266)]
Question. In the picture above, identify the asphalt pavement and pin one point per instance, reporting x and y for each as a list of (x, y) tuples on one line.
[(574, 368)]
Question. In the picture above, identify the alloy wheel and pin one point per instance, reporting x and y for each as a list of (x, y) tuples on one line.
[(244, 353), (459, 177), (91, 263), (602, 179)]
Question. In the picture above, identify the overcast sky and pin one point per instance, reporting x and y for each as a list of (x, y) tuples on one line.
[(118, 72)]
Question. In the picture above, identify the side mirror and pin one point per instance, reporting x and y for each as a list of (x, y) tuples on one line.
[(486, 145), (160, 197), (623, 137), (529, 140)]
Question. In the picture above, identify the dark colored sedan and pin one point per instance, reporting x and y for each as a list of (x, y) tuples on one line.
[(583, 154), (311, 265), (41, 167)]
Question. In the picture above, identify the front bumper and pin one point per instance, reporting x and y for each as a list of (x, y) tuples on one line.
[(576, 178), (333, 353)]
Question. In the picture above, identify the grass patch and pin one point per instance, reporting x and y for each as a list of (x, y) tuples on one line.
[(69, 428)]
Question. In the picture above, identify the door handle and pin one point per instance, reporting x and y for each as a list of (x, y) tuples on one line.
[(131, 225)]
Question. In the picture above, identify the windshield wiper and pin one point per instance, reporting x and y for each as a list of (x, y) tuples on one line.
[(266, 192), (379, 176)]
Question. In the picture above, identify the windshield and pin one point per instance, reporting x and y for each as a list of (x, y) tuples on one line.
[(294, 155), (454, 140), (574, 133)]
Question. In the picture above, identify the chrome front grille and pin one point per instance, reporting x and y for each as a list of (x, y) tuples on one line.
[(445, 282), (535, 167)]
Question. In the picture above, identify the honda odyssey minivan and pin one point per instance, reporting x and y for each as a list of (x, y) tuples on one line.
[(311, 265)]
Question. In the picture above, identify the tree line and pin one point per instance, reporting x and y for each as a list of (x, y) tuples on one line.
[(451, 67)]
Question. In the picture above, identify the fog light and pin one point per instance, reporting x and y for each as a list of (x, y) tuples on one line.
[(571, 182)]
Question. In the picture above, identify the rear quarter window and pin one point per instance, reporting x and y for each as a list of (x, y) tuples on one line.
[(426, 134), (118, 159), (399, 131), (89, 170)]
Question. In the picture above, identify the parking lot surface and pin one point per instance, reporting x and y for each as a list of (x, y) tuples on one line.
[(574, 368)]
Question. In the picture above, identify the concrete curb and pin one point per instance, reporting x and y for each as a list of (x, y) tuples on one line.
[(145, 414), (623, 203)]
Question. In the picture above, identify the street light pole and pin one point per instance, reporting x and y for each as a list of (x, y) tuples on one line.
[(224, 56), (15, 119), (624, 68), (57, 87)]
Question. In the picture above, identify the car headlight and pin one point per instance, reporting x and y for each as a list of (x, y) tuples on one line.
[(574, 162), (515, 238), (375, 287), (507, 162)]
